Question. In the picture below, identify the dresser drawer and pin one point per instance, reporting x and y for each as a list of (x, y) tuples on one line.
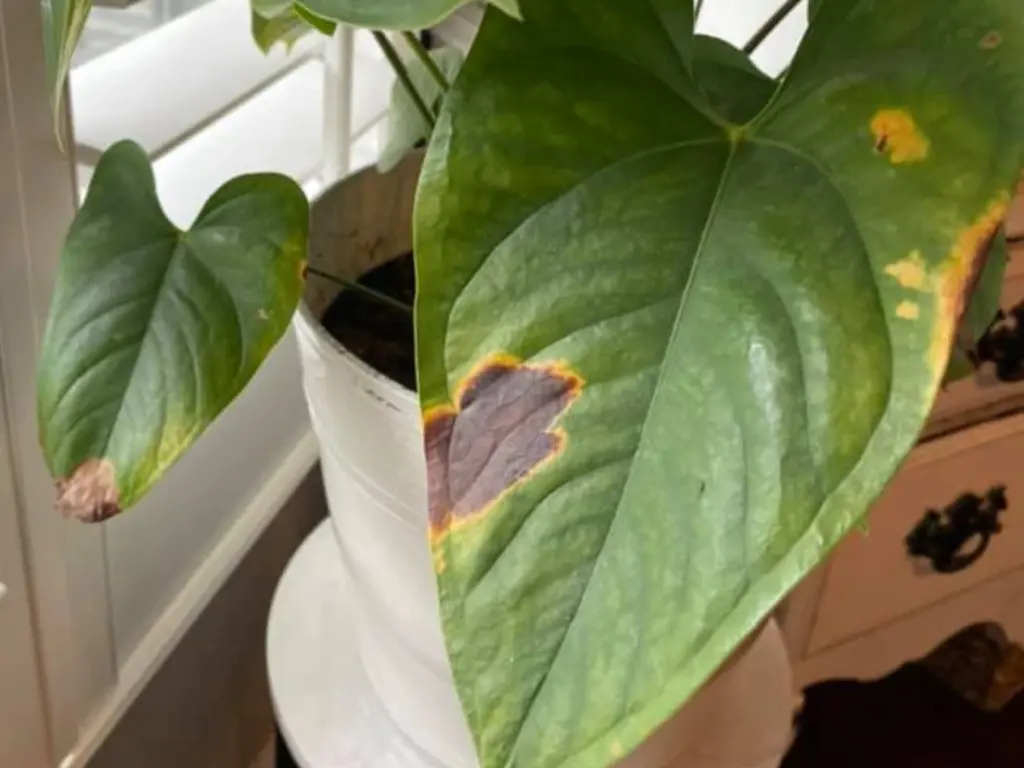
[(879, 652), (1015, 219), (872, 580), (989, 392)]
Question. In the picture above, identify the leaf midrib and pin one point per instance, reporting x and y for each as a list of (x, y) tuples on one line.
[(158, 297), (683, 303), (748, 138)]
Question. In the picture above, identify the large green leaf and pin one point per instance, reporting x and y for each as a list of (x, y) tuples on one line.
[(406, 126), (666, 361), (63, 23), (396, 14), (154, 331)]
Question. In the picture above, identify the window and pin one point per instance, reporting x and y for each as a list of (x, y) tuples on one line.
[(184, 79)]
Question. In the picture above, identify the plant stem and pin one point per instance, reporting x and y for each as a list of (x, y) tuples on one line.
[(403, 77), (383, 298), (427, 60), (697, 10), (769, 26)]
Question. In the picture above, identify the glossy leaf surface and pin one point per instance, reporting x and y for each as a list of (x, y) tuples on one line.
[(667, 361), (406, 126), (154, 331), (396, 14)]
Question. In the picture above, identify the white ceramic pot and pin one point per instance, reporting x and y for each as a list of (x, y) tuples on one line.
[(374, 471)]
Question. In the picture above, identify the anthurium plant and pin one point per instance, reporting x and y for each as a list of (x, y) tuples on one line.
[(678, 325)]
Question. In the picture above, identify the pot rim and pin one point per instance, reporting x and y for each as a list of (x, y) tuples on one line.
[(400, 393)]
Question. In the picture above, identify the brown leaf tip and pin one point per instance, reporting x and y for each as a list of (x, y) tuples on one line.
[(500, 433), (90, 494)]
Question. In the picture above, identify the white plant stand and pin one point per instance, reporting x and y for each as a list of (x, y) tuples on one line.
[(326, 711)]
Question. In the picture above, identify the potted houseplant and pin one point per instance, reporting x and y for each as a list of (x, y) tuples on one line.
[(677, 325)]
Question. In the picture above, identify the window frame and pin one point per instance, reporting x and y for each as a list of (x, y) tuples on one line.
[(65, 563)]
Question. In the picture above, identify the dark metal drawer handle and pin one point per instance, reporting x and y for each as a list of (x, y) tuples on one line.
[(943, 537), (1003, 346)]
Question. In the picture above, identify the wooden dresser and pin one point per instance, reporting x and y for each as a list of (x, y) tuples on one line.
[(891, 594)]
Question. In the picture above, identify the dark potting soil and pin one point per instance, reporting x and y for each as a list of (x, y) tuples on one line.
[(379, 334)]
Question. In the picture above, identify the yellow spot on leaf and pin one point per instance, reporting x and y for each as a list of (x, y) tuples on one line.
[(617, 750), (899, 137), (909, 273), (908, 310), (955, 274), (440, 563)]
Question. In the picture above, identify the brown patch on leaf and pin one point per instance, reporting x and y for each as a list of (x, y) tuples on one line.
[(303, 270), (90, 494), (992, 40), (499, 434)]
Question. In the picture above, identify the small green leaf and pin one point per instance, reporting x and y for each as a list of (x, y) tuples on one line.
[(396, 14), (286, 28), (284, 22), (63, 23), (668, 358), (406, 126), (268, 9), (154, 331), (322, 25)]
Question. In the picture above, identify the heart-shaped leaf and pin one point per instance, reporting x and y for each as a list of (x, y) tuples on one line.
[(396, 14), (667, 361), (406, 126), (154, 331)]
